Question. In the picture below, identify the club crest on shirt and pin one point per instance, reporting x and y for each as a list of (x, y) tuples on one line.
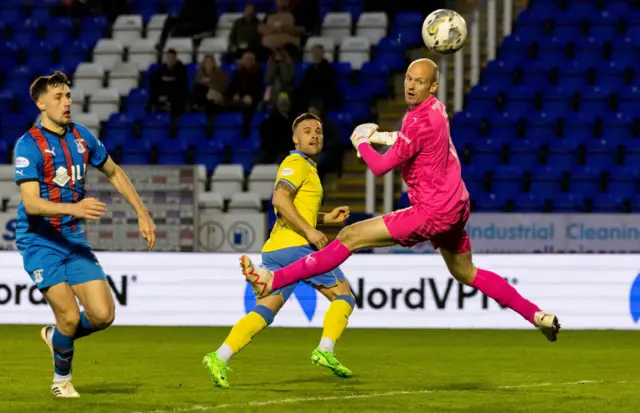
[(37, 276), (80, 145), (286, 172)]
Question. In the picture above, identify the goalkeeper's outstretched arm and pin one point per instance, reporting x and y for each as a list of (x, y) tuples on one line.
[(379, 164)]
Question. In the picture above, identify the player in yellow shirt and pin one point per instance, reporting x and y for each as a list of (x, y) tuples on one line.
[(296, 198)]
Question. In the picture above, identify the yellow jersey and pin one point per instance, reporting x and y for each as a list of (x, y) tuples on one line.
[(299, 171)]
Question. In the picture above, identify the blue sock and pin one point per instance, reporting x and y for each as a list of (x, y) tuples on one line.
[(84, 327), (62, 353)]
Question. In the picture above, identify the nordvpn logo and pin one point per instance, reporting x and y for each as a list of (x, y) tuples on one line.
[(304, 294), (634, 299)]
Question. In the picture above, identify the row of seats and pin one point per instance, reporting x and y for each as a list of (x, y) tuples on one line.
[(558, 203), (521, 101)]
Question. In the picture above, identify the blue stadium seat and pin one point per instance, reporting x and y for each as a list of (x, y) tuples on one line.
[(482, 99), (529, 202), (487, 151), (530, 24), (24, 39), (498, 74), (595, 101), (136, 152), (535, 75), (343, 72), (244, 152), (210, 154), (542, 126), (632, 152), (503, 125), (588, 50), (257, 119), (6, 101), (553, 49), (525, 152), (345, 124), (155, 127), (357, 102), (557, 99), (191, 127), (146, 7), (562, 151), (403, 201), (391, 52), (568, 203), (635, 203), (585, 180), (227, 128), (515, 48), (40, 55), (610, 75), (11, 13), (118, 125), (136, 103), (490, 202), (603, 24), (633, 24), (8, 54), (507, 179), (20, 79), (474, 174), (172, 152), (579, 9), (519, 99), (375, 77), (607, 203), (623, 180), (75, 52), (629, 100), (15, 126), (566, 26), (544, 7), (546, 180), (601, 153), (572, 75), (625, 51), (619, 7), (407, 28), (465, 124), (579, 124)]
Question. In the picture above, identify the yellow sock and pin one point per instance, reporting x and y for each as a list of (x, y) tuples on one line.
[(336, 319), (244, 330)]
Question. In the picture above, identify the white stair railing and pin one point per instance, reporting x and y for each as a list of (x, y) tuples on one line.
[(458, 82)]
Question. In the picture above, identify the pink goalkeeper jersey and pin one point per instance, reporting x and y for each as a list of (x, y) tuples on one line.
[(432, 168)]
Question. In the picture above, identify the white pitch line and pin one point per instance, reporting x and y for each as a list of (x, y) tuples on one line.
[(203, 408)]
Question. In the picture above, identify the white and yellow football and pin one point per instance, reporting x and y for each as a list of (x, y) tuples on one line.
[(444, 31)]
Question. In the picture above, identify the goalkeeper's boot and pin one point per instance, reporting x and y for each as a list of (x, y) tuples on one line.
[(548, 325), (328, 359), (64, 389), (260, 278), (217, 370)]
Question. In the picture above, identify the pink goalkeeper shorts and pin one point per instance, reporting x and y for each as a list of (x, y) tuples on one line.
[(410, 226)]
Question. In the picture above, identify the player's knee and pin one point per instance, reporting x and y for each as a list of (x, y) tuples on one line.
[(349, 237), (348, 298), (265, 312), (101, 318), (68, 321), (464, 274)]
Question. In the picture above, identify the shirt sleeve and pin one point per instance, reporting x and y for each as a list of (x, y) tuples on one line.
[(97, 152), (27, 161), (292, 172), (413, 140)]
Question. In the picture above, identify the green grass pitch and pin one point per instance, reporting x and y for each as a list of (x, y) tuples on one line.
[(145, 369)]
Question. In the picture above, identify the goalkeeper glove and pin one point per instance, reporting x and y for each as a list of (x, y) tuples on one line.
[(362, 133)]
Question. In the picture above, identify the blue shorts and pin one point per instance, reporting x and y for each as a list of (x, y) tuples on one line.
[(274, 260), (49, 263)]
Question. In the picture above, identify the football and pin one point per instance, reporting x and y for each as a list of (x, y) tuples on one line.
[(444, 31)]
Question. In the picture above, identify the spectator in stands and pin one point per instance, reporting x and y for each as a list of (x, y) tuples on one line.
[(275, 132), (319, 81), (210, 86), (280, 75), (244, 36), (196, 17), (169, 88), (279, 28), (330, 159), (246, 89)]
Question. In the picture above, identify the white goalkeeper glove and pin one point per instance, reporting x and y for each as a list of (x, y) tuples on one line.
[(382, 138), (362, 133)]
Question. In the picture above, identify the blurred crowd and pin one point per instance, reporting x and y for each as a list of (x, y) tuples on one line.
[(265, 52)]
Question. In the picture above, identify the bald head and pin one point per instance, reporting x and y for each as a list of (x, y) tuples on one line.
[(421, 81)]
